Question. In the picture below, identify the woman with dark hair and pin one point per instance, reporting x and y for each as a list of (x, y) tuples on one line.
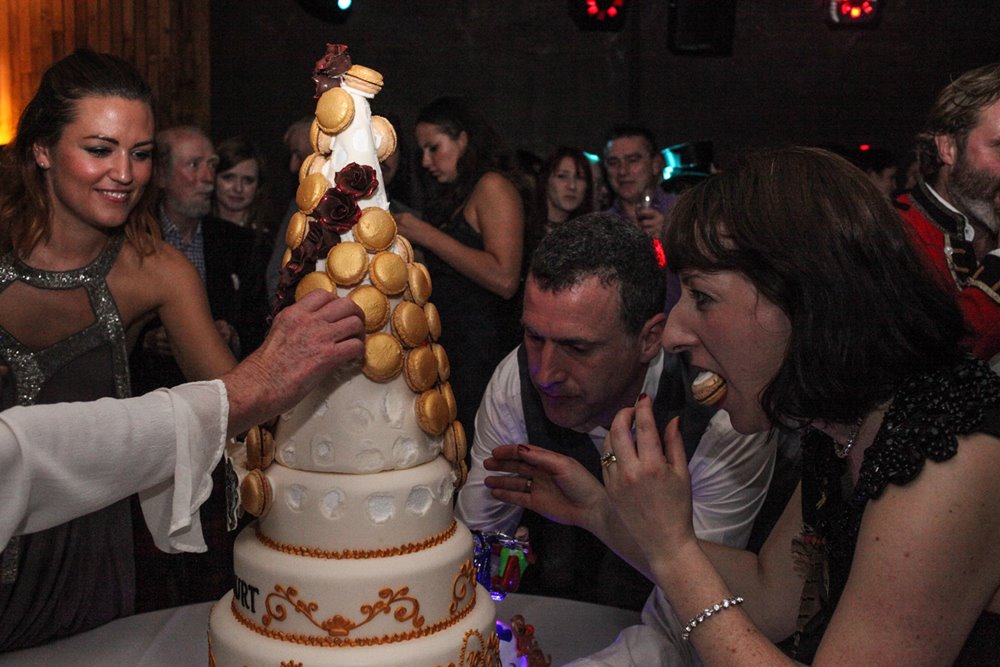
[(565, 190), (240, 190), (803, 291), (473, 241), (83, 269)]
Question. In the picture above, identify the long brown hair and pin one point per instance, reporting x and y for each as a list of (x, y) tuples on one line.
[(25, 210), (817, 239)]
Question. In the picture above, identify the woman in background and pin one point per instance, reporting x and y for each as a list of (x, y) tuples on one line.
[(565, 190), (472, 235), (239, 185), (83, 269)]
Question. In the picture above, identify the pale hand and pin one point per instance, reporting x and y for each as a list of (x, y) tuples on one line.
[(562, 490), (649, 486)]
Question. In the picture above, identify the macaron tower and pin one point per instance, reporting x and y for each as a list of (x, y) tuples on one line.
[(355, 557)]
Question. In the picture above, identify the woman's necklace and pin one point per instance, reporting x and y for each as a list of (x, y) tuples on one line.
[(842, 450)]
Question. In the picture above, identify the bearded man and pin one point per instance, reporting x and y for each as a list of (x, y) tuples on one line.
[(955, 207)]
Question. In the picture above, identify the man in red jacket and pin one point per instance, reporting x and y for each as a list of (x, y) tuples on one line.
[(955, 207)]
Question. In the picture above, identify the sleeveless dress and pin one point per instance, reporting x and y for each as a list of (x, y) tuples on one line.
[(920, 428), (478, 328), (78, 575)]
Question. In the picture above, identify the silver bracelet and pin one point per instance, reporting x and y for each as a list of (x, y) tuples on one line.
[(705, 615)]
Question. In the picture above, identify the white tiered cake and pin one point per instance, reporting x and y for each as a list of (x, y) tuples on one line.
[(356, 558)]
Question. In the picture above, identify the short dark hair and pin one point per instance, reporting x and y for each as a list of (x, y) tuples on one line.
[(956, 112), (622, 130), (606, 246), (817, 239)]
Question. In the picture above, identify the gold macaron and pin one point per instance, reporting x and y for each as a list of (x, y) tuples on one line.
[(385, 137), (313, 281), (444, 365), (388, 272), (449, 399), (287, 255), (311, 189), (421, 371), (298, 227), (364, 79), (455, 444), (374, 304), (260, 448), (433, 320), (383, 357), (320, 141), (375, 229), (313, 164), (334, 110), (409, 323), (418, 283), (256, 494), (346, 263), (403, 248), (432, 412)]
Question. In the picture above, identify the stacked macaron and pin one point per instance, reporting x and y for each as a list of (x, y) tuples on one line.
[(344, 240)]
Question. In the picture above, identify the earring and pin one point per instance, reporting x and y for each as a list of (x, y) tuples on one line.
[(42, 164)]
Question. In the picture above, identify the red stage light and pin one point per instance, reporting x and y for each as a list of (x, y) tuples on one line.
[(598, 14), (853, 12)]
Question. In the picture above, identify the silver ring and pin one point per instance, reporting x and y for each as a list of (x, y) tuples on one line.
[(608, 459), (527, 486)]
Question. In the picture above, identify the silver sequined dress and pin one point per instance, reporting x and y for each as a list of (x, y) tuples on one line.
[(81, 574)]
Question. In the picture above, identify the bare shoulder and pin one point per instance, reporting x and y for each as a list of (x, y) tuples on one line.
[(142, 282), (495, 184)]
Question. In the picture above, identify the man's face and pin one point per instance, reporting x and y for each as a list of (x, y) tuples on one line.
[(632, 168), (582, 362), (974, 179), (188, 186)]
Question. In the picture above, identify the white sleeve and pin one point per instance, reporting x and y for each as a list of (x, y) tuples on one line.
[(61, 461), (730, 475), (499, 421)]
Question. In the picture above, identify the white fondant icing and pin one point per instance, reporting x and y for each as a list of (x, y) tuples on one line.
[(332, 506), (295, 496), (419, 501), (381, 507)]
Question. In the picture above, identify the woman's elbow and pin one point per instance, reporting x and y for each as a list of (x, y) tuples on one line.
[(508, 287)]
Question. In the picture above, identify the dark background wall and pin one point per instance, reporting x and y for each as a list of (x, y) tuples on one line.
[(543, 82)]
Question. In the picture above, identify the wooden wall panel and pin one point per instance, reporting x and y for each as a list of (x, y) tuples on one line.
[(167, 40)]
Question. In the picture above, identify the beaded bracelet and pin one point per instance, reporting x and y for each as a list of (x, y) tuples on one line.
[(705, 615)]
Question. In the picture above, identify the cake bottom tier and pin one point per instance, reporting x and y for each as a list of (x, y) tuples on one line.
[(471, 641)]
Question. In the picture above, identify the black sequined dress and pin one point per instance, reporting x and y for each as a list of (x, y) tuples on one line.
[(921, 425), (81, 574)]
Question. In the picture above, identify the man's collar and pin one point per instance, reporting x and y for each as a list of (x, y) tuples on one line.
[(649, 386), (946, 215), (169, 228)]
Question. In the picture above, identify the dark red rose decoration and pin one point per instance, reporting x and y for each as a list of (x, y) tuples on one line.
[(358, 180), (336, 213), (330, 68)]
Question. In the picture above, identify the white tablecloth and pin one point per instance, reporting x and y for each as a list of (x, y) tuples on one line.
[(565, 629)]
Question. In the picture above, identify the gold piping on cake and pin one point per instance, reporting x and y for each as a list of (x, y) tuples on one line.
[(337, 625), (355, 554), (311, 640)]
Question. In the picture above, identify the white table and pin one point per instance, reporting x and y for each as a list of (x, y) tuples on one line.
[(565, 629)]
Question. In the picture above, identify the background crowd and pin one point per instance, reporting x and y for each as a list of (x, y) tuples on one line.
[(137, 258)]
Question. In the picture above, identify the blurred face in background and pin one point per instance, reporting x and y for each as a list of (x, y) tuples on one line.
[(632, 167), (565, 190), (188, 186), (236, 189), (440, 152), (974, 179)]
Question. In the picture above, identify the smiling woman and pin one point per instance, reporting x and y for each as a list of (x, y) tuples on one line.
[(82, 269)]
